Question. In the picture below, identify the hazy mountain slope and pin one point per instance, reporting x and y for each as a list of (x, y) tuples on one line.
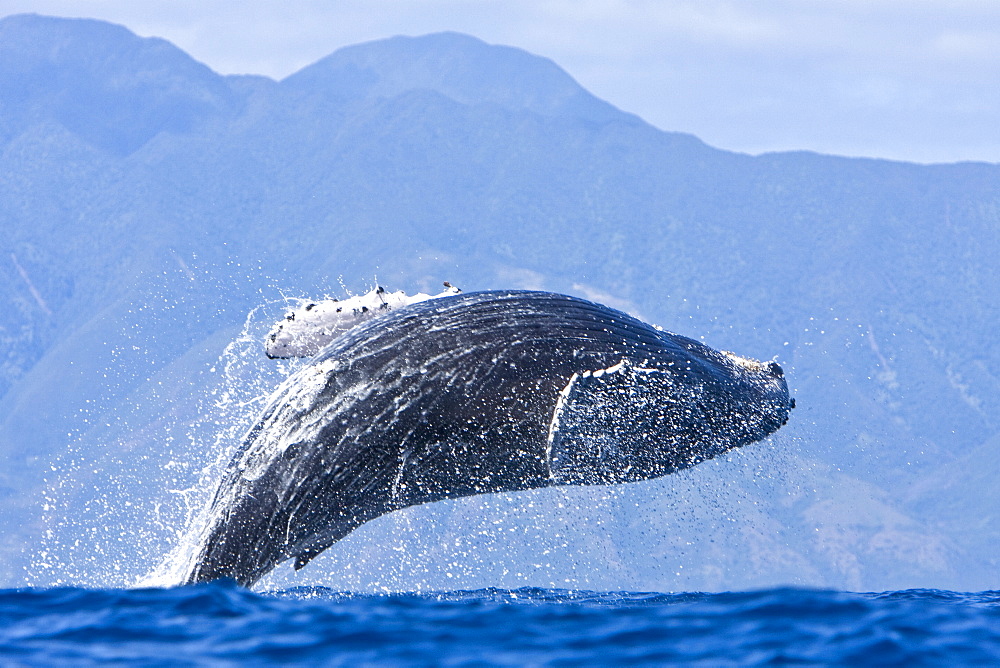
[(147, 204), (456, 66), (103, 83)]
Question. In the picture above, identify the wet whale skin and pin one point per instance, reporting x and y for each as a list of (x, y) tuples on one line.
[(477, 393)]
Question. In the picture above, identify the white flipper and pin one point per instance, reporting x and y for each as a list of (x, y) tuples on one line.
[(308, 329)]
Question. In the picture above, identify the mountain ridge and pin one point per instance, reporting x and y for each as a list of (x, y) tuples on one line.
[(107, 85), (460, 67)]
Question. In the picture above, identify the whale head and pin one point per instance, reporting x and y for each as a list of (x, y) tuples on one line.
[(634, 421)]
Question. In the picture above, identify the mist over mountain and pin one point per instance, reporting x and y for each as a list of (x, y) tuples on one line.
[(147, 205)]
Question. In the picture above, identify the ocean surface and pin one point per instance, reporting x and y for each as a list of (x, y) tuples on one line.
[(221, 624)]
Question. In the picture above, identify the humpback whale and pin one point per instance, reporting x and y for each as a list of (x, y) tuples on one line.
[(471, 394)]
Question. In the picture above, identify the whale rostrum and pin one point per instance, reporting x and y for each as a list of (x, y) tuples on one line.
[(472, 394)]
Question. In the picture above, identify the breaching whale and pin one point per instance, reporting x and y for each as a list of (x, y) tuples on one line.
[(471, 394)]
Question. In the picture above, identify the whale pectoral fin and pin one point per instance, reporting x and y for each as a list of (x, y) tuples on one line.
[(612, 425)]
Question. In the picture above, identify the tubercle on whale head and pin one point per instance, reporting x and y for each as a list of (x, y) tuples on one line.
[(770, 371), (765, 386)]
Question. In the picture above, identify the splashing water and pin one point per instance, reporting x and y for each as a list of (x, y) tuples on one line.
[(247, 380), (117, 503)]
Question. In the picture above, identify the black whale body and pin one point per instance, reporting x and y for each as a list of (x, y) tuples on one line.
[(476, 393)]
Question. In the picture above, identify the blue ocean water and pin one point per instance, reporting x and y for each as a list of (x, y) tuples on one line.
[(222, 624)]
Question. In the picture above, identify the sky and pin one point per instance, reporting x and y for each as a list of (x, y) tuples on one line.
[(915, 80)]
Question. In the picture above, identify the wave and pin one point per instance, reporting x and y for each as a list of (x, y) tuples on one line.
[(223, 623)]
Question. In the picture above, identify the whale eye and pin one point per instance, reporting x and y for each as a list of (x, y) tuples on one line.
[(775, 369)]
